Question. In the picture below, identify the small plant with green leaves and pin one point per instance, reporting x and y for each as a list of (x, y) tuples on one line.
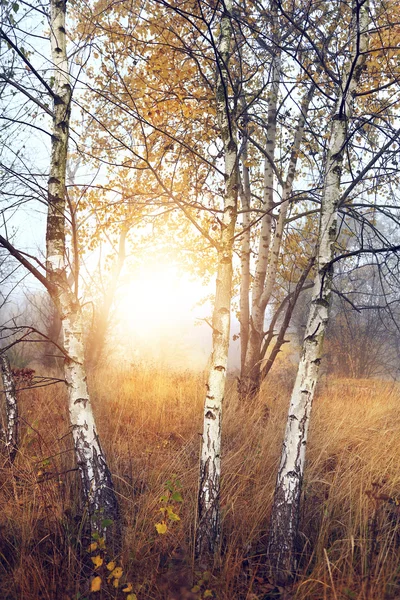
[(170, 500)]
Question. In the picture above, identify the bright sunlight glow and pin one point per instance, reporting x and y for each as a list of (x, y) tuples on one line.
[(157, 311)]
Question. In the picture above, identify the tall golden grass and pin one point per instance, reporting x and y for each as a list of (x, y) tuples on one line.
[(150, 423)]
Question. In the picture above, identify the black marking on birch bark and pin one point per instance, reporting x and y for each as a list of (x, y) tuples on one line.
[(83, 400), (311, 337), (209, 526), (58, 101), (63, 125), (219, 368), (321, 302), (292, 474), (210, 415), (208, 397)]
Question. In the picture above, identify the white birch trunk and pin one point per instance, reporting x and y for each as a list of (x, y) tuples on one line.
[(208, 525), (285, 510), (244, 318), (251, 379), (11, 431), (286, 193), (97, 487)]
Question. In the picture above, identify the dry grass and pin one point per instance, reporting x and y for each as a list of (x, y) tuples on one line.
[(150, 422)]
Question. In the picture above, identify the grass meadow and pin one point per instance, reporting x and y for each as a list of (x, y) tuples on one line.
[(150, 422)]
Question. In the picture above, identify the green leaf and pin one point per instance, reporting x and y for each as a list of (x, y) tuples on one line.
[(15, 7), (177, 497), (106, 523)]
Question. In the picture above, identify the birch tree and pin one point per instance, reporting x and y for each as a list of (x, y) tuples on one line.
[(285, 511), (278, 198), (208, 526), (97, 486), (11, 429)]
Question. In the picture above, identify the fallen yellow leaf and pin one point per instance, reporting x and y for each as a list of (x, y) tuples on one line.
[(111, 565), (97, 561), (161, 528), (117, 573), (128, 588), (96, 584)]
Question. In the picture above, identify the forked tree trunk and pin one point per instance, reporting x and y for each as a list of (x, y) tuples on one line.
[(208, 525), (280, 339), (11, 429), (97, 487), (267, 266), (249, 378), (286, 504)]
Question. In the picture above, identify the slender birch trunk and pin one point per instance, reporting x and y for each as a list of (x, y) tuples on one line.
[(97, 487), (244, 317), (286, 504), (250, 378), (11, 432), (208, 526)]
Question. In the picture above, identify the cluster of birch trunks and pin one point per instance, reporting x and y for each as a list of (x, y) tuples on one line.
[(234, 132)]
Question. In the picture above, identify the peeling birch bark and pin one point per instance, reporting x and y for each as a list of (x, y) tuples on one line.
[(97, 487), (208, 525), (286, 504), (11, 432)]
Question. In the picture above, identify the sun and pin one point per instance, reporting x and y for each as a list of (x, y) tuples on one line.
[(157, 310)]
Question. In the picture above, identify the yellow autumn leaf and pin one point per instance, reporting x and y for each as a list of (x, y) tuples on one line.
[(102, 543), (97, 561), (128, 588), (117, 573), (161, 528), (111, 565), (92, 547), (116, 583), (95, 585), (208, 594), (131, 597)]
